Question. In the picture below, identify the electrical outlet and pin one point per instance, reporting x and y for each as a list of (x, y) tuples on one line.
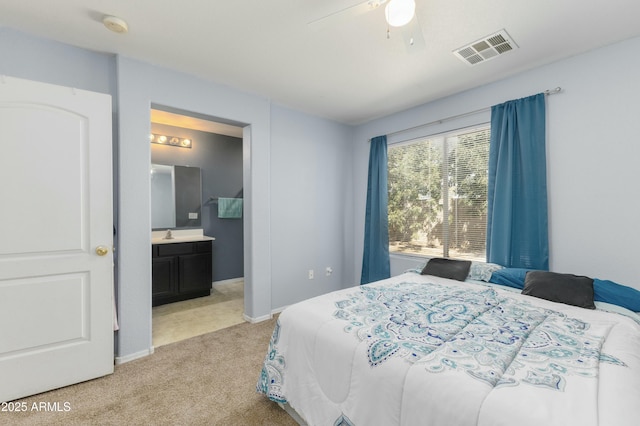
[(310, 274), (328, 270)]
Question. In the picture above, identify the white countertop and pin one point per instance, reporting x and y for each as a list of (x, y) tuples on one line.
[(179, 236)]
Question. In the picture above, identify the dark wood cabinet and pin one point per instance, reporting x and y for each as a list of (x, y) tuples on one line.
[(180, 271)]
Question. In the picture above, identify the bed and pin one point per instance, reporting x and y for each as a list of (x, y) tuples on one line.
[(425, 350)]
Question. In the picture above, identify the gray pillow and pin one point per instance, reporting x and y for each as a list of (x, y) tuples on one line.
[(562, 288), (447, 268)]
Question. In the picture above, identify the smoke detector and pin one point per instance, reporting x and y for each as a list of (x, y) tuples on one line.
[(486, 48), (115, 24)]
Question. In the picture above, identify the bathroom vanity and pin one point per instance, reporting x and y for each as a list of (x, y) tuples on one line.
[(181, 266)]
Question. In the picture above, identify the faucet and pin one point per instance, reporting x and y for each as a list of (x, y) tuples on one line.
[(168, 236)]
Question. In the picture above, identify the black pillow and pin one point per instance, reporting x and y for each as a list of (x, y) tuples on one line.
[(447, 268), (562, 288)]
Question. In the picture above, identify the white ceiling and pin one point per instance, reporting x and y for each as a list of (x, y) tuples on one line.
[(346, 69)]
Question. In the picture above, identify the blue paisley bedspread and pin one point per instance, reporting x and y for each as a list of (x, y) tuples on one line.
[(424, 350)]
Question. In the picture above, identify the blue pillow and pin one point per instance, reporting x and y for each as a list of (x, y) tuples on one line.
[(617, 294), (511, 277)]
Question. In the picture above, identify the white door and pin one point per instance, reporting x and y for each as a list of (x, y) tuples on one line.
[(56, 236)]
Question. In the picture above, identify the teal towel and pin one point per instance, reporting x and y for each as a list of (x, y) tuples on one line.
[(229, 208)]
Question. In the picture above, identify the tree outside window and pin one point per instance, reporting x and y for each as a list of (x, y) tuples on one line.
[(438, 195)]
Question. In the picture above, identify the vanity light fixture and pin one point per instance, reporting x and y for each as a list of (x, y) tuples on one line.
[(170, 140)]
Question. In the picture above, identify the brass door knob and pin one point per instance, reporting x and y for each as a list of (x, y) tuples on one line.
[(102, 251)]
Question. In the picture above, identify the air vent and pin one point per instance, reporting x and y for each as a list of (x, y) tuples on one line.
[(486, 48)]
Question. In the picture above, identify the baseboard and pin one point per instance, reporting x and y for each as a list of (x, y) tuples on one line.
[(278, 310), (264, 317), (122, 359), (257, 319), (229, 281)]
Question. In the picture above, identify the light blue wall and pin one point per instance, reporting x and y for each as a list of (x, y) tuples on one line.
[(140, 85), (33, 58), (592, 155), (310, 204), (277, 144)]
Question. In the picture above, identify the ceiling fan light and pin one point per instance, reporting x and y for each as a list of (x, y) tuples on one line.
[(400, 12)]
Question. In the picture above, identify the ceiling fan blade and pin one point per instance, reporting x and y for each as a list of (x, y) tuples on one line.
[(344, 14), (412, 36)]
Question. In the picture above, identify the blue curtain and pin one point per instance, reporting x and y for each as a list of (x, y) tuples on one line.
[(517, 222), (375, 261)]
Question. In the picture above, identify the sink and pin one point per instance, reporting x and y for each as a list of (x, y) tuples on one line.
[(179, 236)]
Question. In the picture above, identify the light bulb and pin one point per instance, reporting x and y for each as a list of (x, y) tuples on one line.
[(400, 12)]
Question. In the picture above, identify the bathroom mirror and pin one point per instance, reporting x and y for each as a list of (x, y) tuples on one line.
[(176, 197)]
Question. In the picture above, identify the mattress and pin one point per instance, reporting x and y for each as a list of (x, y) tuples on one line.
[(425, 350)]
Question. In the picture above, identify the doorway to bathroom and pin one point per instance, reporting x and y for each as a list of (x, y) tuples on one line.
[(215, 148)]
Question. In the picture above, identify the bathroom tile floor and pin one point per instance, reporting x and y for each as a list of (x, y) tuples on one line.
[(181, 320)]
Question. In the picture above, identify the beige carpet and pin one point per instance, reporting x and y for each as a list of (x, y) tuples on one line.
[(205, 380)]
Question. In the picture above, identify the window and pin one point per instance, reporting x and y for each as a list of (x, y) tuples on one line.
[(438, 194)]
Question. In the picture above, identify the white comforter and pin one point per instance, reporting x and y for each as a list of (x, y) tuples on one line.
[(422, 350)]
